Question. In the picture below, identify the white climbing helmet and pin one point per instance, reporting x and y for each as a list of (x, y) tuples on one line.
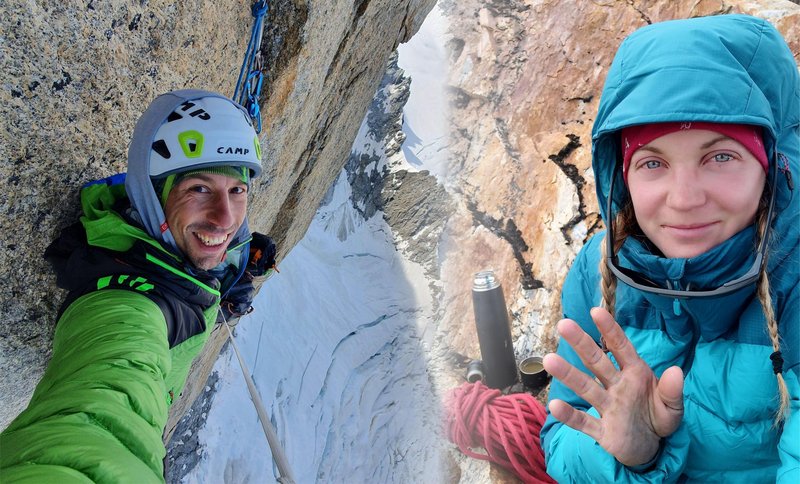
[(205, 132)]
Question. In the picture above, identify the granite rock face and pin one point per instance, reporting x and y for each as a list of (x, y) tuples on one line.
[(76, 76)]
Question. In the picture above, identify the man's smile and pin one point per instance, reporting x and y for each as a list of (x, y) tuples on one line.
[(211, 240)]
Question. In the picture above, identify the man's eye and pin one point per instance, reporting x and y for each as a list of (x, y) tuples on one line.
[(238, 190), (722, 157), (199, 189)]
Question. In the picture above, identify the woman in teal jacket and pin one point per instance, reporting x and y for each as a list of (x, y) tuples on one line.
[(698, 120)]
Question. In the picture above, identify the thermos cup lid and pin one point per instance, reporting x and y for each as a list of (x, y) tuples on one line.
[(484, 281)]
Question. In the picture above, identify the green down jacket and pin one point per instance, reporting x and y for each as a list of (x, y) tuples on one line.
[(663, 72), (134, 320)]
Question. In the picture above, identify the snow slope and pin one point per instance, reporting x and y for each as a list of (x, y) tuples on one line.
[(334, 345), (334, 351)]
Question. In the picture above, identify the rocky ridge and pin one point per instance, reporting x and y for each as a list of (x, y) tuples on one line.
[(413, 203)]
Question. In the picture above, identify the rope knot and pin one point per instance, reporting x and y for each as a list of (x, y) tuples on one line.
[(259, 8)]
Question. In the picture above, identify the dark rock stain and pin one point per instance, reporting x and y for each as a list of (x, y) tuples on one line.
[(571, 171), (134, 25), (508, 231)]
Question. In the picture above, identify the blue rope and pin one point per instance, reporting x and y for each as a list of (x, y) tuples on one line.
[(248, 86)]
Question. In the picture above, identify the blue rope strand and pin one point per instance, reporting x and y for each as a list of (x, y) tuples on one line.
[(258, 10), (248, 87), (247, 63)]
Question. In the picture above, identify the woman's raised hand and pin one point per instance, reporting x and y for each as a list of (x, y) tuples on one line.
[(636, 409)]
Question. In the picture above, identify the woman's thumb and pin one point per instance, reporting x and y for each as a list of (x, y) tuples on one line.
[(669, 407)]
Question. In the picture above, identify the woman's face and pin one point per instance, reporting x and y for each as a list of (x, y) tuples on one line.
[(694, 189)]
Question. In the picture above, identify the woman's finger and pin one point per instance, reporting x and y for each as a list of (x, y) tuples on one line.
[(587, 350), (579, 382), (616, 340), (580, 421)]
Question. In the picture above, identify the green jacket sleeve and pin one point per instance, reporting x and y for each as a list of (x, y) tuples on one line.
[(99, 411)]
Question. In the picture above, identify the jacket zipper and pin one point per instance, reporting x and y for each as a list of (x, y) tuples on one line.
[(678, 311)]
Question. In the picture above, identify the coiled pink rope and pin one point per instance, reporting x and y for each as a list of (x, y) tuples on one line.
[(506, 426)]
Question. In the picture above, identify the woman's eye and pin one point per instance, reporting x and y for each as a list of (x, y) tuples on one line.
[(722, 157), (652, 164)]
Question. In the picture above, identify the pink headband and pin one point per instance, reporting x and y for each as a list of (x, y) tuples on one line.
[(634, 137)]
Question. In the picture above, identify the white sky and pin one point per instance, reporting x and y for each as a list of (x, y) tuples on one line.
[(424, 59)]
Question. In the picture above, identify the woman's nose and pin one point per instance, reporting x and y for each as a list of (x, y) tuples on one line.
[(686, 191)]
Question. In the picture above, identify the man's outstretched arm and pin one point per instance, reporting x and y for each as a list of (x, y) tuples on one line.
[(100, 409)]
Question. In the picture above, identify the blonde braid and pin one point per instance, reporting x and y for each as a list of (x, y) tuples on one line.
[(624, 225), (608, 283), (772, 327), (765, 298)]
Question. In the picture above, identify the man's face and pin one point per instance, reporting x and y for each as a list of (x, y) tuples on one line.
[(204, 211)]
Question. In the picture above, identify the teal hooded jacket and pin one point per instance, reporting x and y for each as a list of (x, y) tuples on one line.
[(724, 69)]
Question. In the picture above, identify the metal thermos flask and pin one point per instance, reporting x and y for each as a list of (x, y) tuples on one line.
[(494, 332)]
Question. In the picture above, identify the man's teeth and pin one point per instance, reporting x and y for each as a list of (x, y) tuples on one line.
[(211, 241)]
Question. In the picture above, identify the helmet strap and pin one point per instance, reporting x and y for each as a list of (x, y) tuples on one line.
[(165, 189)]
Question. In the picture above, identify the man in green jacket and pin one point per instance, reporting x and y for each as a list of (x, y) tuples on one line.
[(146, 268)]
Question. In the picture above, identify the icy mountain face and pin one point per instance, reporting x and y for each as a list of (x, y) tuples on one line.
[(339, 343), (379, 139), (412, 201)]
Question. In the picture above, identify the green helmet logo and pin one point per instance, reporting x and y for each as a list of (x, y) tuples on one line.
[(258, 147), (191, 143)]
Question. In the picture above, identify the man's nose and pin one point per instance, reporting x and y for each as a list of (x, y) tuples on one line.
[(220, 212)]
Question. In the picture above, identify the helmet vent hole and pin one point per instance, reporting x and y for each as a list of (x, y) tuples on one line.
[(160, 147)]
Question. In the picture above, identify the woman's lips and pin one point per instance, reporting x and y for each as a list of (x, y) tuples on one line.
[(690, 230)]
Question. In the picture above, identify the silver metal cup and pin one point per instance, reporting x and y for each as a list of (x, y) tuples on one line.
[(475, 371), (533, 374)]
